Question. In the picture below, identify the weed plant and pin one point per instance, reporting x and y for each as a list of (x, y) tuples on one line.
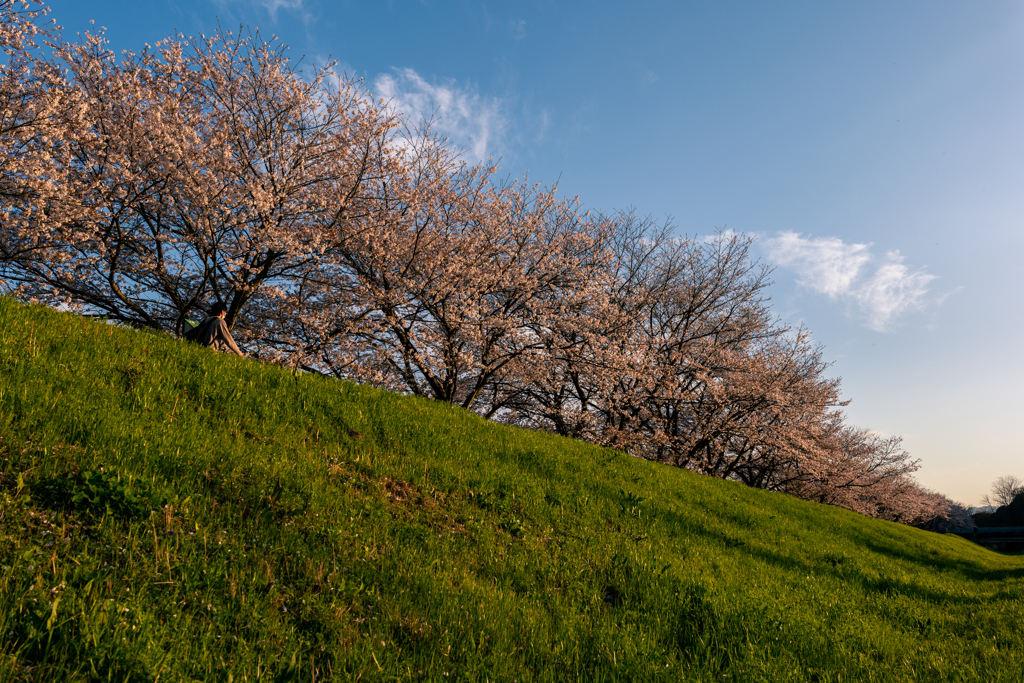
[(169, 513)]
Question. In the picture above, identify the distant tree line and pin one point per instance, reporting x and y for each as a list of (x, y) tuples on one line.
[(1004, 490), (347, 240), (1007, 499)]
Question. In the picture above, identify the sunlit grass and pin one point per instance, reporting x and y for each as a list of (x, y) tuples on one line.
[(304, 528)]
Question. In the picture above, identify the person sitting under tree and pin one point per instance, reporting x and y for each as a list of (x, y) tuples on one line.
[(214, 332)]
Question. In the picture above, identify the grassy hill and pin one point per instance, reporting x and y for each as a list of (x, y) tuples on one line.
[(168, 513)]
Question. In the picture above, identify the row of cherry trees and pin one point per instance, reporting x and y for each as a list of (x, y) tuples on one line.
[(146, 186)]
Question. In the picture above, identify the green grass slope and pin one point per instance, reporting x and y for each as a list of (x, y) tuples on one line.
[(168, 513)]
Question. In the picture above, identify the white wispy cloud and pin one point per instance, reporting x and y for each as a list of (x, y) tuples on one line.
[(825, 264), (475, 123), (891, 291), (242, 10), (882, 289), (272, 6), (517, 28), (723, 235)]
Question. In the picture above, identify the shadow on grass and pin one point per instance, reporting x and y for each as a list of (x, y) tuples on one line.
[(943, 562), (850, 572)]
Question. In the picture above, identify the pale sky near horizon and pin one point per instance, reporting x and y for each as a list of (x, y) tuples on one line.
[(875, 149)]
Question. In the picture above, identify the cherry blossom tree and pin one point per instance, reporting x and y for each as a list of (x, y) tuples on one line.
[(205, 170), (27, 93), (631, 364), (440, 287), (949, 516), (32, 93)]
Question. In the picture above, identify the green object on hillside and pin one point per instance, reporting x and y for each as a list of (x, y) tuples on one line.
[(433, 543), (190, 329)]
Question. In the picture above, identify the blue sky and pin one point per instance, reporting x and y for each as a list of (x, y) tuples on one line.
[(874, 148)]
